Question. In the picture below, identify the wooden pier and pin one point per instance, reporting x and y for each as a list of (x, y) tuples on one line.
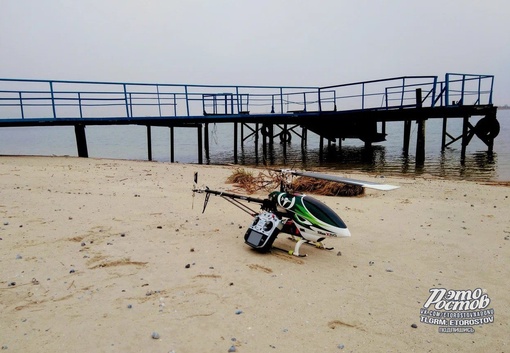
[(358, 110)]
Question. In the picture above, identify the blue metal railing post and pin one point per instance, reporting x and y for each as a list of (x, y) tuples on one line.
[(21, 106), (434, 92), (281, 100), (319, 96), (175, 104), (126, 100), (53, 100), (237, 101), (462, 89), (403, 92), (478, 102), (130, 105), (447, 90), (159, 100), (492, 86), (187, 101), (304, 101), (79, 105), (363, 96)]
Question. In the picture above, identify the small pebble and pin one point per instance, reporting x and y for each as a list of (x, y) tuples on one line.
[(187, 266), (232, 349), (19, 257), (12, 284), (6, 224), (339, 253), (389, 270), (72, 271), (239, 312), (155, 335), (130, 306), (341, 346), (414, 326)]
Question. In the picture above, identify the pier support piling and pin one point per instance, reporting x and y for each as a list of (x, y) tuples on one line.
[(172, 155), (200, 144), (81, 140), (149, 143), (465, 138), (206, 141), (407, 137), (235, 142), (420, 134)]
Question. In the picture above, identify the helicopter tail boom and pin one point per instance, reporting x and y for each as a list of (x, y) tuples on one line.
[(362, 183)]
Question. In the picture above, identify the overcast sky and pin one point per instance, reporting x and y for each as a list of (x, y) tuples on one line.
[(260, 42)]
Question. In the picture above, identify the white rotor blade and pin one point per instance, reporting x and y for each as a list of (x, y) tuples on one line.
[(365, 184)]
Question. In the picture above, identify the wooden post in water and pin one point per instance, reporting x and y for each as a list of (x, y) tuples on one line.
[(206, 141), (321, 147), (407, 136), (257, 142), (283, 139), (235, 143), (200, 144), (304, 137), (172, 156), (443, 135), (420, 137), (149, 143), (465, 139), (81, 140)]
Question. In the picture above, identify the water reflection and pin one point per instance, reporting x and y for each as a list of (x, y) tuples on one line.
[(479, 165)]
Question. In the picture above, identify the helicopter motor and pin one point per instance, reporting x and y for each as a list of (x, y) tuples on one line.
[(263, 231)]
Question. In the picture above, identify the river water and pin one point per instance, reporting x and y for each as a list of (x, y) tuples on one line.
[(385, 158)]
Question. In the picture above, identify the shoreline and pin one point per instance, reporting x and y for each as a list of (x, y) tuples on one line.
[(104, 253), (324, 168)]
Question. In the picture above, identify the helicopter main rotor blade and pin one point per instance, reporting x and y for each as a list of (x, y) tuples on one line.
[(365, 184)]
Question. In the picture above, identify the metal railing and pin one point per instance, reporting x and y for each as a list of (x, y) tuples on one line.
[(54, 99)]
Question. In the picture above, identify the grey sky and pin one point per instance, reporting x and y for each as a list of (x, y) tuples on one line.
[(261, 42)]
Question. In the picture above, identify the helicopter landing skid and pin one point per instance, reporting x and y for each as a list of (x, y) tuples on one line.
[(318, 245), (290, 252)]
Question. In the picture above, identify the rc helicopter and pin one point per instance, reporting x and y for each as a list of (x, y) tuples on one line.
[(306, 219)]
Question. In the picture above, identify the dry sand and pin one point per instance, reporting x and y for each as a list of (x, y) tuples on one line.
[(94, 255)]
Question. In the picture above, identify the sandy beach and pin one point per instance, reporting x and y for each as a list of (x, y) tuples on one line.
[(109, 256)]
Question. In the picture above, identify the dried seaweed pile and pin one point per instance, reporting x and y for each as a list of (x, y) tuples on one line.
[(271, 180), (245, 180)]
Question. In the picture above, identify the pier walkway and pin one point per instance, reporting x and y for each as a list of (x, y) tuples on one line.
[(358, 110)]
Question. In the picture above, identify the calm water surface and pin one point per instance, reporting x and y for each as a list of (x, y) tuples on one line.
[(129, 142)]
